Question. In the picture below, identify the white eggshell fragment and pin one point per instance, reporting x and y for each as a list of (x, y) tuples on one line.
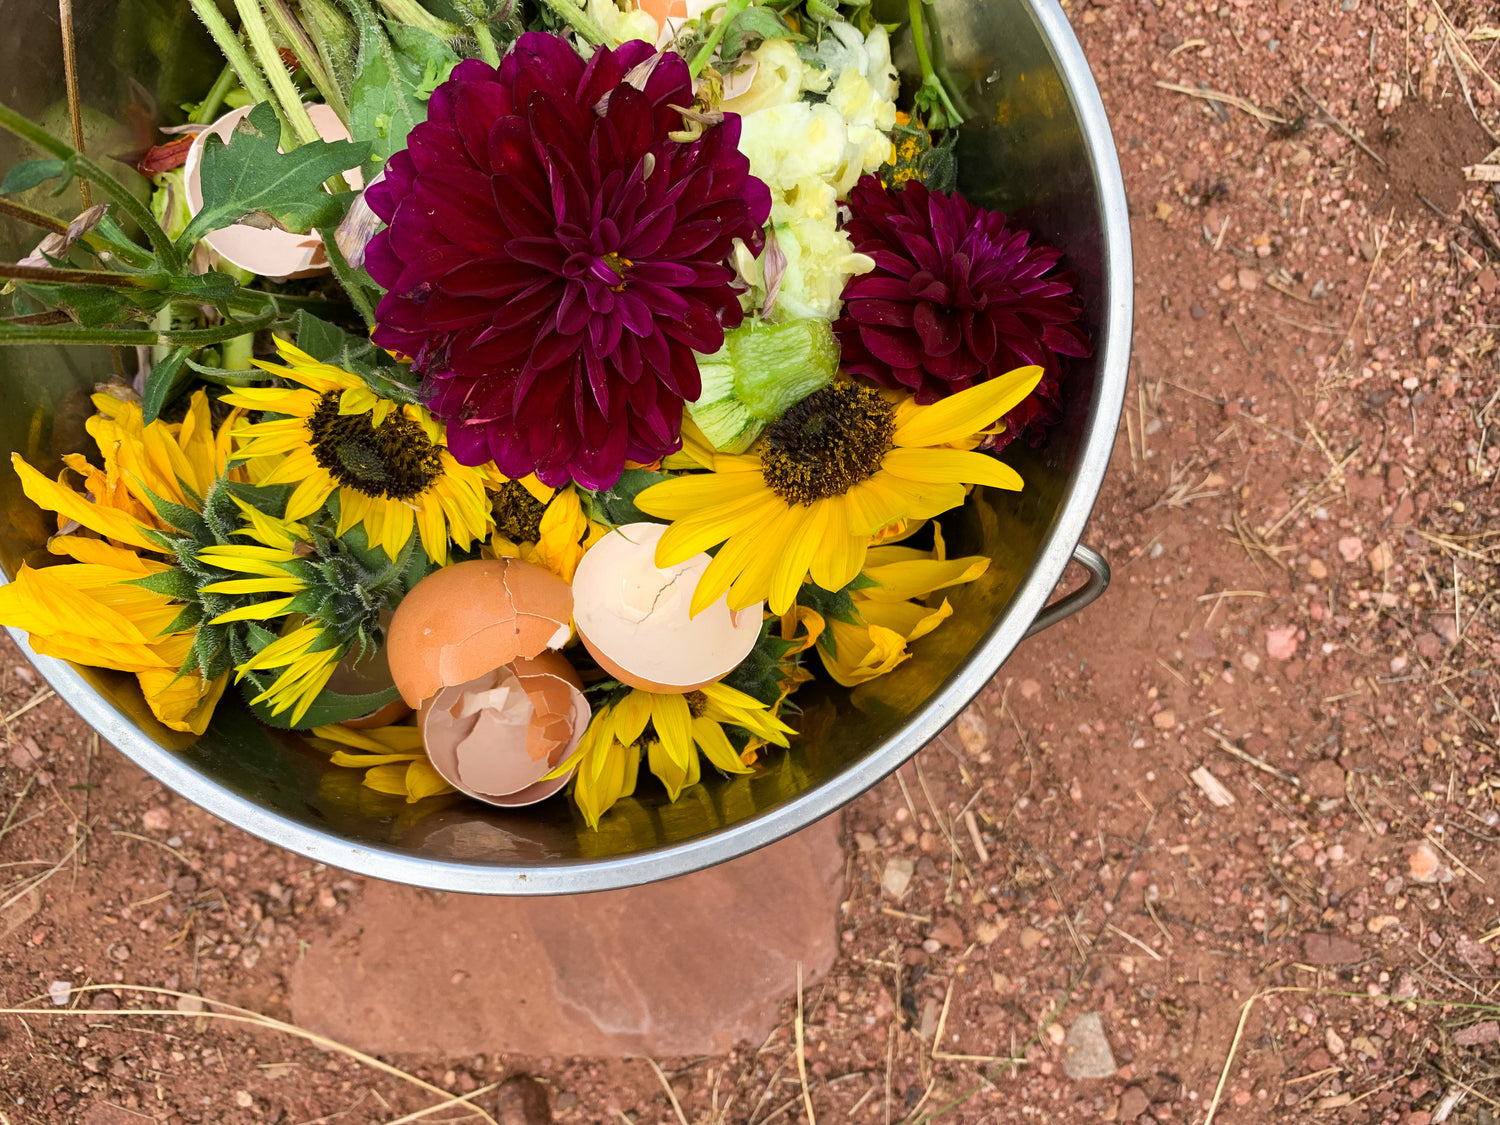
[(633, 615)]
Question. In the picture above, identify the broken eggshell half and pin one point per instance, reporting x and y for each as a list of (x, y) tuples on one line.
[(471, 648), (632, 616)]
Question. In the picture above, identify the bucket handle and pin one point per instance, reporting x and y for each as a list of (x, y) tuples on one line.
[(1094, 585)]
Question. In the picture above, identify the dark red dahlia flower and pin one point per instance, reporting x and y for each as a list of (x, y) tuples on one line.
[(956, 298), (553, 259)]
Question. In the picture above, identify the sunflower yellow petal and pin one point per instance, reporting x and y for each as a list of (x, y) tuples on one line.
[(716, 747), (950, 466), (673, 723), (697, 492), (842, 552), (797, 557), (967, 412), (902, 581)]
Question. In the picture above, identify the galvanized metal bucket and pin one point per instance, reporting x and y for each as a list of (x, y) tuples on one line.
[(1038, 147)]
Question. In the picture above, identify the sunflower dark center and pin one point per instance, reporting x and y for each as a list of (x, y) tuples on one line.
[(697, 703), (827, 443), (395, 460), (518, 514)]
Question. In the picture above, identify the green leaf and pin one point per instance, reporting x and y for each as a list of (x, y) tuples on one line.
[(29, 173), (93, 306), (616, 505), (329, 707), (391, 87), (752, 26), (330, 344), (163, 384), (249, 175), (180, 516), (760, 674)]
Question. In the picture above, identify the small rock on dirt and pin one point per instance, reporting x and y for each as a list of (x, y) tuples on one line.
[(1475, 954), (156, 820), (1212, 787), (1478, 1034), (1350, 548), (1164, 720), (947, 933), (1317, 570), (1426, 866), (1249, 280), (897, 877), (1133, 1103), (973, 731), (1430, 645), (1086, 1052), (1330, 949), (1324, 778), (1281, 642), (523, 1101)]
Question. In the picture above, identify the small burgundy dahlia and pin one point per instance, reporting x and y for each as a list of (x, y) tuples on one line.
[(553, 259), (956, 298)]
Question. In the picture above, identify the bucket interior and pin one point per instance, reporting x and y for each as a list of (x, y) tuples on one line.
[(1023, 152)]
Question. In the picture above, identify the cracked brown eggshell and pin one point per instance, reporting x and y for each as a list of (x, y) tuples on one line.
[(633, 617), (476, 741), (465, 620)]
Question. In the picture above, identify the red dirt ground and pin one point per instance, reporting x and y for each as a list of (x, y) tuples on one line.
[(1302, 518)]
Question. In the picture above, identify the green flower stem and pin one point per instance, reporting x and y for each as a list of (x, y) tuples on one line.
[(711, 44), (576, 18), (413, 14), (27, 130), (287, 95), (46, 275), (35, 218), (930, 79), (133, 337), (208, 108), (307, 54), (229, 45), (342, 270), (486, 42)]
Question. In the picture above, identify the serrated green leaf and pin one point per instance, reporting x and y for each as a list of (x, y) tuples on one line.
[(183, 518), (330, 344), (191, 617), (760, 674), (96, 307), (249, 175), (163, 383), (616, 505), (29, 173)]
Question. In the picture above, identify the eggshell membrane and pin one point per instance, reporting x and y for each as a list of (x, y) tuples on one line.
[(499, 764), (269, 253), (632, 616), (468, 619)]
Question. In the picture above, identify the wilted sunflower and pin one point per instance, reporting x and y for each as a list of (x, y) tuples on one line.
[(823, 481), (388, 462), (886, 616), (392, 758), (100, 609), (671, 730), (542, 525)]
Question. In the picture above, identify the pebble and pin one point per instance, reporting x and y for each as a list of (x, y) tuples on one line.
[(1429, 646), (1425, 866), (973, 730), (156, 820), (1164, 720), (1086, 1051), (946, 932), (1031, 938), (59, 992), (1030, 689), (1350, 548), (1133, 1103), (1281, 642), (243, 1099), (1324, 778), (1478, 1034), (897, 877), (1249, 280), (1380, 558), (190, 1004), (1316, 569)]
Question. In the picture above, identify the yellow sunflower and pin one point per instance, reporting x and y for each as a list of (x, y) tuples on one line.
[(392, 758), (608, 756), (839, 467), (889, 615), (92, 610), (388, 463), (542, 525)]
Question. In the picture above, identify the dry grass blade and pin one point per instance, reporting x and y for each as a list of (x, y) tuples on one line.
[(661, 1076), (1234, 1046), (801, 1054), (1342, 128), (233, 1014), (418, 1114), (70, 72), (1266, 118), (1251, 760)]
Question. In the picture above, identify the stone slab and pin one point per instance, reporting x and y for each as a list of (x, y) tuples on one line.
[(691, 966)]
